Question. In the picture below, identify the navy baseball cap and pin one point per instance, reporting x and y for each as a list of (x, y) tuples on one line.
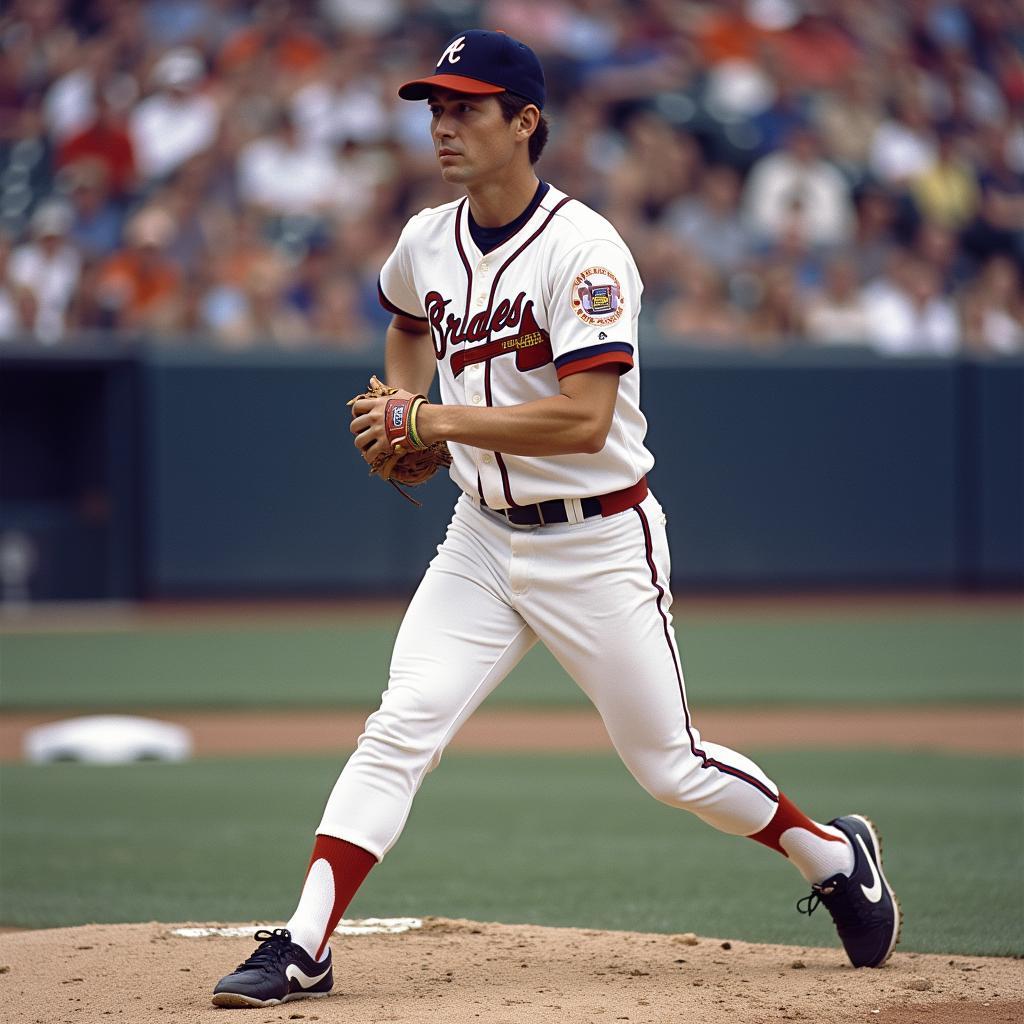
[(483, 63)]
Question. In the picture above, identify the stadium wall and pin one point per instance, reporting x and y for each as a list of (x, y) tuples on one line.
[(178, 472)]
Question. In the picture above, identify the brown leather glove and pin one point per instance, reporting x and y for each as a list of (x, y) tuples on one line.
[(409, 461)]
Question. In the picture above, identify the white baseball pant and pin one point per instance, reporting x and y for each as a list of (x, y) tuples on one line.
[(596, 594)]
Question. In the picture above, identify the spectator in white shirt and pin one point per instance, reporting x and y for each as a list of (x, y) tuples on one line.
[(48, 268), (993, 309), (797, 186), (345, 103), (279, 173), (69, 105), (903, 147), (16, 304), (177, 121), (838, 314), (907, 313)]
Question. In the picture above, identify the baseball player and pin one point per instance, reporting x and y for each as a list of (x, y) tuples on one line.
[(525, 303)]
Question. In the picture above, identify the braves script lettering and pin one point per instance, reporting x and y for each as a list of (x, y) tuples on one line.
[(530, 344)]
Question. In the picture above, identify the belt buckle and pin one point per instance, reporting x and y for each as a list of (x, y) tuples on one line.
[(510, 513), (507, 514)]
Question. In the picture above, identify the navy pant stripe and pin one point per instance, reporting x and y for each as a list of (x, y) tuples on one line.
[(706, 762)]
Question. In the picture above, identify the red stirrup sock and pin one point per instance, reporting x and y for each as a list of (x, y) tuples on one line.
[(336, 870), (818, 851)]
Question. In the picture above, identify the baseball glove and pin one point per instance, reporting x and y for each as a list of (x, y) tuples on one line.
[(410, 462)]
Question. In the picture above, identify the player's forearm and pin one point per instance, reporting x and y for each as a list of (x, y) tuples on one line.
[(409, 361), (559, 425)]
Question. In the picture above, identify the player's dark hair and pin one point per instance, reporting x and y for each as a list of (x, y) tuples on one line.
[(511, 103)]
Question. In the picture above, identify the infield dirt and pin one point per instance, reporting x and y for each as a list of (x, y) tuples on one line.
[(954, 730), (466, 973)]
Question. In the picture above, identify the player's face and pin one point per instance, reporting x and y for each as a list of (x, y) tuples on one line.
[(472, 139)]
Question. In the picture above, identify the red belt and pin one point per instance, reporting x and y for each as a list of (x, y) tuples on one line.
[(545, 513)]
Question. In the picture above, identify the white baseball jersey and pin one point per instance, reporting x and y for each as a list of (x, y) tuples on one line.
[(560, 296)]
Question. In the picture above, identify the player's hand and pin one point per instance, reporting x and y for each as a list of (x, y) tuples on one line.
[(384, 431), (367, 426)]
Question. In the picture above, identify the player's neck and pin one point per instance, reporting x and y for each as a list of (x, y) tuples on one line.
[(495, 203)]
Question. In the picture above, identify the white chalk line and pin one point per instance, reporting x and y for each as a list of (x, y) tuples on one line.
[(362, 926)]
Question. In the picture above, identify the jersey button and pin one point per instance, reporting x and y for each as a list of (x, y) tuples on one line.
[(477, 399), (488, 459)]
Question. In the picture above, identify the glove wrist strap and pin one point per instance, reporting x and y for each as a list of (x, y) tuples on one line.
[(399, 416), (414, 436)]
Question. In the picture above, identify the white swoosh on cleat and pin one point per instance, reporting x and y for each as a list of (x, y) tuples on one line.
[(305, 980), (874, 891)]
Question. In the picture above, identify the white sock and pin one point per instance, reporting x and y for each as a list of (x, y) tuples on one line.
[(816, 858), (309, 922)]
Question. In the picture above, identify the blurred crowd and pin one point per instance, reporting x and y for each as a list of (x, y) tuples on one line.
[(786, 172)]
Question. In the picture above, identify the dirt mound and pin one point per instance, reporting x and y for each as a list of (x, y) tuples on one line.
[(468, 973)]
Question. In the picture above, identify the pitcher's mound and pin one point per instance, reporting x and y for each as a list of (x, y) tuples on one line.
[(462, 972)]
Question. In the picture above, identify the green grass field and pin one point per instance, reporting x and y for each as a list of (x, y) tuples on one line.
[(874, 654), (540, 839), (554, 839)]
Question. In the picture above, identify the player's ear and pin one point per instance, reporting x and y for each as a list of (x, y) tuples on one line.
[(528, 119)]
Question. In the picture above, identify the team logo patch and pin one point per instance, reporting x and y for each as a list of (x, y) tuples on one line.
[(596, 296)]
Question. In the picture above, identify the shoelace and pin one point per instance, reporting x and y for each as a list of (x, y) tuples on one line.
[(810, 903), (844, 912), (273, 945)]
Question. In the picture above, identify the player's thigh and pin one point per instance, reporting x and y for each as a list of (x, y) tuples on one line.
[(603, 610), (460, 636)]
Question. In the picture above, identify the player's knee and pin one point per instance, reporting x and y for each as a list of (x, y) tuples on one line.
[(664, 788), (664, 792), (673, 781), (389, 735)]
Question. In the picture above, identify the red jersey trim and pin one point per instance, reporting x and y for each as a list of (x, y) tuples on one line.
[(578, 366), (392, 308), (465, 261)]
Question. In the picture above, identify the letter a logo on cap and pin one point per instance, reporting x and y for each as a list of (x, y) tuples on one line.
[(451, 54)]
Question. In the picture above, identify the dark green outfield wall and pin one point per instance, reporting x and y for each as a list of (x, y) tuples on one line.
[(828, 469), (794, 473)]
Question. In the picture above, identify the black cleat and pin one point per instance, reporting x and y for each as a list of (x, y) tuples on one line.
[(862, 904), (278, 972)]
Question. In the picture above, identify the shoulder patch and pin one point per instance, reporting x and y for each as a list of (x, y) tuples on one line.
[(596, 296)]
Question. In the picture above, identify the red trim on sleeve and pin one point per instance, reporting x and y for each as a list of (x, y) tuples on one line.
[(624, 360), (392, 308)]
